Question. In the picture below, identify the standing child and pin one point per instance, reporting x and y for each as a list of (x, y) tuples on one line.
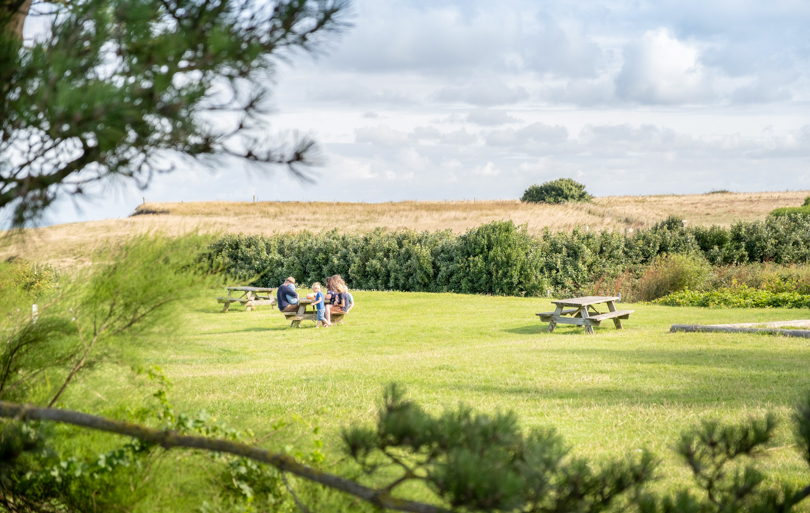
[(320, 307)]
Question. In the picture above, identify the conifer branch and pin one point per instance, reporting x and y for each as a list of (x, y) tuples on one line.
[(169, 439)]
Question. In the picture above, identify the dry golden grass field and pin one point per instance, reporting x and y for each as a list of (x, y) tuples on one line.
[(67, 244)]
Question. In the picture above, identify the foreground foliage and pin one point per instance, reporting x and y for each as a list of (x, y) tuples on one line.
[(95, 315), (120, 89), (469, 461)]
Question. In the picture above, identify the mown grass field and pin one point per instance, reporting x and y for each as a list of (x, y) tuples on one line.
[(66, 245), (611, 393)]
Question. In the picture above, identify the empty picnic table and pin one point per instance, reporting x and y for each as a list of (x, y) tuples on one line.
[(251, 296), (582, 312)]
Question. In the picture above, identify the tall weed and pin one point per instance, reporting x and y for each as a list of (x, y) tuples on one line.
[(672, 273)]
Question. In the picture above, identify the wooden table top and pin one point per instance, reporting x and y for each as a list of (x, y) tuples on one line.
[(251, 289), (584, 301)]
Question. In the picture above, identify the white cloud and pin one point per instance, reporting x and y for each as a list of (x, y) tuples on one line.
[(346, 168), (382, 136), (562, 48), (489, 117), (488, 169), (660, 69), (481, 116), (426, 132), (535, 134), (460, 138), (359, 96), (483, 93)]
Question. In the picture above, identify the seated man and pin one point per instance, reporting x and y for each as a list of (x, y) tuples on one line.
[(287, 297)]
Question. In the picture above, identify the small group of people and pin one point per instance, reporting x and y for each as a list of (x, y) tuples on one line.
[(336, 300)]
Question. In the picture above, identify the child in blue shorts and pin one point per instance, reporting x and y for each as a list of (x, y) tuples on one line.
[(320, 307)]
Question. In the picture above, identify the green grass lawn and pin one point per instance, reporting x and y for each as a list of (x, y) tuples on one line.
[(610, 393)]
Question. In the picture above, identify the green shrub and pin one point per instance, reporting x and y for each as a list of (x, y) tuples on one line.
[(556, 191), (738, 297), (497, 258), (806, 202), (670, 273), (670, 223), (804, 210), (768, 276), (18, 275)]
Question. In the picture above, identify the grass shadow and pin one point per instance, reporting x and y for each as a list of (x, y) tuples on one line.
[(721, 390), (536, 329), (246, 330)]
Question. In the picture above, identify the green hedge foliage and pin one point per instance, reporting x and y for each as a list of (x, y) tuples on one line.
[(738, 297), (791, 211), (496, 258), (499, 258)]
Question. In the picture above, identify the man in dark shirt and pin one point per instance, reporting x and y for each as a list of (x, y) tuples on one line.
[(287, 297)]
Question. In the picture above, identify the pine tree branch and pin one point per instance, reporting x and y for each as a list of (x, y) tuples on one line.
[(169, 439), (802, 494)]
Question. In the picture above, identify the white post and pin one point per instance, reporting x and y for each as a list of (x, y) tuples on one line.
[(620, 297), (34, 313)]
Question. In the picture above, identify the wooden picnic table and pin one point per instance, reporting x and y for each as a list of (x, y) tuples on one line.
[(302, 314), (250, 297), (582, 312)]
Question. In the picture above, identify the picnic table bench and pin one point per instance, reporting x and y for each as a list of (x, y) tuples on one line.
[(251, 296), (302, 314), (582, 312)]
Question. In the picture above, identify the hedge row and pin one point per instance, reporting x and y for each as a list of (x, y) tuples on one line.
[(499, 258), (740, 297)]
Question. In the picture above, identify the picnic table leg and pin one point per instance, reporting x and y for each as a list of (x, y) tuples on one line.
[(616, 321), (301, 311), (554, 316), (249, 297), (584, 312), (227, 303)]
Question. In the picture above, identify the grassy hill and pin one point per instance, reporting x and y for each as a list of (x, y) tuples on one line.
[(67, 244)]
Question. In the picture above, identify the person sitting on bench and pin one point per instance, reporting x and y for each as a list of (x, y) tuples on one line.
[(287, 297)]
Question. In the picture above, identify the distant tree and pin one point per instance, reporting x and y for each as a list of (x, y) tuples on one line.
[(806, 202), (556, 191), (121, 88)]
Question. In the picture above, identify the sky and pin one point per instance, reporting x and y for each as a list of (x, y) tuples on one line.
[(442, 99)]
